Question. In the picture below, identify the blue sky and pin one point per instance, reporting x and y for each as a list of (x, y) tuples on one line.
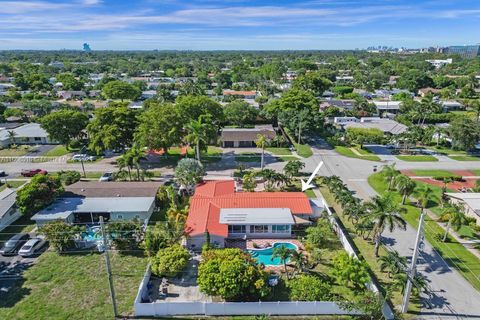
[(236, 24)]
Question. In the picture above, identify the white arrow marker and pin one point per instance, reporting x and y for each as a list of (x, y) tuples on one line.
[(308, 185)]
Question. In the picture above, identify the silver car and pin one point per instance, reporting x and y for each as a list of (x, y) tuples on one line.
[(107, 176), (31, 247)]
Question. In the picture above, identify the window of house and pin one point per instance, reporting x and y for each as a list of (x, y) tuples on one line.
[(38, 139), (281, 228), (119, 216), (259, 229), (236, 229)]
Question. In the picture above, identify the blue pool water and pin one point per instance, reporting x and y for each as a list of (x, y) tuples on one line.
[(265, 255), (92, 234)]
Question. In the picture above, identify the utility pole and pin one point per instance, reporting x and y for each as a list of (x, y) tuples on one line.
[(109, 270), (413, 266), (83, 151)]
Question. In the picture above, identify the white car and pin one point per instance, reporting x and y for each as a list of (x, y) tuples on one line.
[(83, 157), (31, 247), (107, 176)]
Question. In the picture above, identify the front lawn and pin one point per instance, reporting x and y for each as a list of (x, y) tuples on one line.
[(465, 158), (248, 157), (303, 150), (12, 184), (418, 158), (58, 151), (74, 286), (453, 252), (363, 154), (279, 151), (433, 173), (14, 152)]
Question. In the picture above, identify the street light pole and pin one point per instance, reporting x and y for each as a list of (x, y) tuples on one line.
[(413, 266)]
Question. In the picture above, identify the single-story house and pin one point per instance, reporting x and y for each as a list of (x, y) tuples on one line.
[(385, 125), (71, 94), (148, 94), (470, 201), (425, 91), (29, 133), (245, 137), (85, 202), (242, 94), (451, 105), (387, 106), (345, 104), (8, 209), (224, 213)]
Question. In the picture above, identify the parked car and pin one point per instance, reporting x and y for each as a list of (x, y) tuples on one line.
[(31, 247), (107, 176), (13, 244), (83, 157), (2, 173), (31, 173)]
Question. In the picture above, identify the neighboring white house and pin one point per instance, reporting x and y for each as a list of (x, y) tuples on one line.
[(387, 106), (30, 133), (438, 63), (470, 201), (344, 120), (385, 125), (8, 209), (85, 202)]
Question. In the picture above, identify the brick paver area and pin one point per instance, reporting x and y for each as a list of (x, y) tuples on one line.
[(466, 183)]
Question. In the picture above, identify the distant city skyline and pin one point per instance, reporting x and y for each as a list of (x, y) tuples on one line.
[(237, 24)]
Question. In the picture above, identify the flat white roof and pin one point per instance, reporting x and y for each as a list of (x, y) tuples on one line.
[(236, 216)]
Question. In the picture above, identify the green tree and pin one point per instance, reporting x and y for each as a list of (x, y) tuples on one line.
[(231, 274), (465, 133), (284, 254), (121, 90), (188, 173), (293, 167), (312, 81), (69, 81), (362, 136), (240, 113), (69, 177), (192, 107), (455, 215), (393, 263), (200, 131), (160, 127), (261, 142), (390, 173), (38, 107), (170, 261), (249, 182), (308, 288), (60, 235), (385, 212), (349, 271), (161, 235), (64, 125), (405, 186), (125, 234), (38, 193), (112, 128)]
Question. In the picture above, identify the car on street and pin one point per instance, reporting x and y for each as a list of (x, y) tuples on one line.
[(13, 244), (2, 173), (31, 173), (83, 157), (31, 247), (107, 176)]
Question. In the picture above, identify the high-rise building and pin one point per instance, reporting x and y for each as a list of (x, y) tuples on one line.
[(469, 51), (86, 47)]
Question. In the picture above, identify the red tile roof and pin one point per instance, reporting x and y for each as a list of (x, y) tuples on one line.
[(211, 196)]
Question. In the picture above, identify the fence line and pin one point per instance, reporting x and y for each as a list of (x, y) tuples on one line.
[(34, 159)]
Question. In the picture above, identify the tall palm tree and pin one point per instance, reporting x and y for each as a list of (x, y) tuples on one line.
[(299, 260), (261, 142), (405, 186), (424, 195), (390, 172), (283, 253), (125, 162), (199, 132), (11, 136), (393, 262), (136, 155), (456, 218), (385, 212)]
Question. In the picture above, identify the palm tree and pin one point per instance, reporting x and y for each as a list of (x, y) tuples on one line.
[(456, 218), (392, 262), (385, 212), (125, 162), (424, 194), (198, 133), (270, 177), (299, 260), (261, 142), (420, 283), (390, 173), (283, 253), (135, 155), (405, 186), (11, 136)]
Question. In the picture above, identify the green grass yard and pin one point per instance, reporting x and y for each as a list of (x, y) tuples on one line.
[(73, 286), (465, 158), (452, 251), (248, 157), (279, 151), (303, 150), (433, 173), (14, 152), (418, 158), (57, 151), (12, 184), (363, 154)]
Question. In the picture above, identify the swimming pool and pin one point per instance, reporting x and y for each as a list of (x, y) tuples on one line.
[(265, 255), (92, 234)]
